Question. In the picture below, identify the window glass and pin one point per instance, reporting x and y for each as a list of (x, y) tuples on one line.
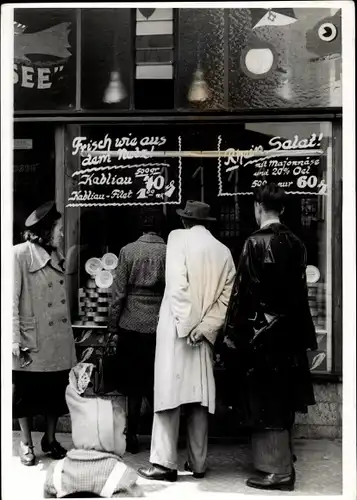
[(307, 179), (106, 65), (44, 59), (260, 58), (104, 194), (34, 172)]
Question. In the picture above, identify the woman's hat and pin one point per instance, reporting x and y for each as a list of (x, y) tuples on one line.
[(48, 210), (195, 210)]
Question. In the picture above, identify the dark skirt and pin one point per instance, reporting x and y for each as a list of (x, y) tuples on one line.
[(39, 393), (136, 357)]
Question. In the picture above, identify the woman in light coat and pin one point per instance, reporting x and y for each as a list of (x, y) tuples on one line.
[(43, 344)]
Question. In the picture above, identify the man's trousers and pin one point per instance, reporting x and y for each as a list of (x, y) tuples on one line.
[(165, 434), (272, 451)]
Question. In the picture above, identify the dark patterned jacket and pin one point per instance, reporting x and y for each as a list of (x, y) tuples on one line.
[(139, 285)]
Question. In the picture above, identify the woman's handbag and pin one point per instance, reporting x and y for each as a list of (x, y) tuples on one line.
[(105, 373), (108, 367)]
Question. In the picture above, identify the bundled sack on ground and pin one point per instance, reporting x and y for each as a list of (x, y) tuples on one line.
[(98, 435)]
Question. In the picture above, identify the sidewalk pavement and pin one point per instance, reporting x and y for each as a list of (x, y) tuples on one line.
[(318, 470)]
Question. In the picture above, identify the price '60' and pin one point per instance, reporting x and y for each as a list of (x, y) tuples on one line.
[(304, 181)]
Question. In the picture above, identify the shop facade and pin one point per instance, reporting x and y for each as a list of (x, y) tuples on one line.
[(97, 88)]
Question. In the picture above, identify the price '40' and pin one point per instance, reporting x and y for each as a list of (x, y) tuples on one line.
[(154, 182), (151, 184)]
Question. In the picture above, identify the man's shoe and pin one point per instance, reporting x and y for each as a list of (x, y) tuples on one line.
[(282, 482), (196, 475), (27, 455), (132, 444), (54, 449), (158, 473)]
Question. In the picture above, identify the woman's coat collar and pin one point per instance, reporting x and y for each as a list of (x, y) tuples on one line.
[(40, 258)]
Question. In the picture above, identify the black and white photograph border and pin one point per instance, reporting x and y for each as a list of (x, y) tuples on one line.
[(319, 471)]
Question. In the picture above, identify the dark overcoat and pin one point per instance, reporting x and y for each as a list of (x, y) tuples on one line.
[(269, 323)]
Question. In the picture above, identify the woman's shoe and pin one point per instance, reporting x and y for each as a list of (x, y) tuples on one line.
[(132, 444), (27, 455), (54, 449)]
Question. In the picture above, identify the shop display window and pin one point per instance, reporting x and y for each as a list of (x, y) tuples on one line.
[(34, 172), (261, 58), (104, 196), (45, 58)]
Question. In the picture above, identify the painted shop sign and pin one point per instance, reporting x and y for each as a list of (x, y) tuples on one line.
[(50, 42), (44, 59), (297, 165), (127, 177)]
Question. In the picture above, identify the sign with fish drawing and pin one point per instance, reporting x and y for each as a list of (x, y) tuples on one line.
[(44, 60)]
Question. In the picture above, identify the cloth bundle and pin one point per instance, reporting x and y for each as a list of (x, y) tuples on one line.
[(91, 471), (98, 434)]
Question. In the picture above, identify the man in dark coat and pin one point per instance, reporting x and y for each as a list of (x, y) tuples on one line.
[(269, 327)]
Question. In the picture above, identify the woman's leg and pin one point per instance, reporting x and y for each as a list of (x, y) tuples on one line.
[(27, 455), (25, 425), (48, 443)]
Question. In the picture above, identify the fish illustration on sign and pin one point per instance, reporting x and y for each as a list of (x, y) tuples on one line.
[(324, 39), (49, 42)]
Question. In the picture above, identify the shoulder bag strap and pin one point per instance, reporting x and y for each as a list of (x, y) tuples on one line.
[(112, 481)]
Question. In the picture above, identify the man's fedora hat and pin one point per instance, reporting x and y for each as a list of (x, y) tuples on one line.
[(47, 211), (195, 210)]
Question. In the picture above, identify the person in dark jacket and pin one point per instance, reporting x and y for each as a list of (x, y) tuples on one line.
[(138, 290), (269, 328)]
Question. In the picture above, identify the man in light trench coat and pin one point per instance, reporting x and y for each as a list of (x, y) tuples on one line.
[(199, 278)]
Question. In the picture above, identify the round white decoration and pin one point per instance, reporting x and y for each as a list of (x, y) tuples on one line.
[(259, 61), (312, 274), (327, 32), (109, 261), (93, 265), (104, 279)]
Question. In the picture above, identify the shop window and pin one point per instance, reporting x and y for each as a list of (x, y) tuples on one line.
[(283, 58), (201, 46), (104, 195), (44, 59), (34, 172), (154, 58), (261, 58), (106, 64), (308, 181)]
